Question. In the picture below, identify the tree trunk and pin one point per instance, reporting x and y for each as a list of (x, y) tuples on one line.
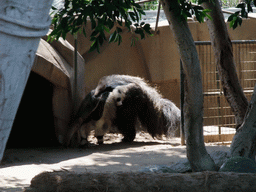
[(197, 155), (222, 47), (244, 141), (126, 182), (22, 23)]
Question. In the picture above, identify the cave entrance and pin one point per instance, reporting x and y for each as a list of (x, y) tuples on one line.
[(34, 122)]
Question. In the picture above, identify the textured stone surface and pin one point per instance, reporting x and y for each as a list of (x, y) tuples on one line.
[(239, 165), (19, 19)]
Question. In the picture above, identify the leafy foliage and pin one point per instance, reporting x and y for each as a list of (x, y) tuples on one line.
[(184, 9), (150, 5), (103, 15), (236, 18)]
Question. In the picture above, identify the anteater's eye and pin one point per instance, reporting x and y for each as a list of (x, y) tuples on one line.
[(119, 91), (118, 99)]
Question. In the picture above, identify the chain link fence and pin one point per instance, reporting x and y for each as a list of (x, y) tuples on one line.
[(219, 121)]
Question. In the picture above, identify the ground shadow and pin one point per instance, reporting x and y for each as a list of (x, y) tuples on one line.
[(136, 161), (110, 157), (51, 155)]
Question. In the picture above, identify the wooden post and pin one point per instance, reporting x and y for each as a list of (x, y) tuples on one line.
[(126, 182), (182, 132), (75, 92)]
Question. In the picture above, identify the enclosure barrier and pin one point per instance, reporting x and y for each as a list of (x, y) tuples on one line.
[(219, 122)]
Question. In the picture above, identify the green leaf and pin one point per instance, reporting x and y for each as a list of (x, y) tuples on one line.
[(230, 18), (136, 15), (202, 1), (122, 11), (185, 14), (120, 22), (112, 37), (75, 30), (106, 29), (128, 24), (198, 8), (63, 35), (249, 7), (147, 28), (94, 33), (95, 45), (233, 16), (93, 38), (136, 5), (243, 11), (100, 39), (201, 13), (141, 12), (119, 39), (50, 38), (102, 34), (241, 5), (119, 30), (206, 11), (103, 14), (140, 32), (132, 16), (239, 21), (93, 22), (236, 20)]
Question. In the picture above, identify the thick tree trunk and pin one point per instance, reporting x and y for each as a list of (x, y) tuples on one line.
[(197, 155), (244, 141), (222, 47), (127, 182), (22, 23)]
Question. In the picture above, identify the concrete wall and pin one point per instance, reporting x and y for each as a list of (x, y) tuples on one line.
[(155, 59)]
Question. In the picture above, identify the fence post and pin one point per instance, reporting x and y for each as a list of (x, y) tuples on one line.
[(182, 132), (75, 92)]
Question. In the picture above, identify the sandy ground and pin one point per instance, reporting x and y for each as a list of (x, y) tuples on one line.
[(21, 165)]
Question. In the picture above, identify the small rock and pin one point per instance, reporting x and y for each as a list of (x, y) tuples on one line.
[(183, 166), (220, 157), (158, 169), (239, 165)]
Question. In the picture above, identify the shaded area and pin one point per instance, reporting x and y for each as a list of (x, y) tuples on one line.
[(99, 155), (34, 122), (112, 156)]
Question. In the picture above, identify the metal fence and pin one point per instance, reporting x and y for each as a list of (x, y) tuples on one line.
[(218, 117)]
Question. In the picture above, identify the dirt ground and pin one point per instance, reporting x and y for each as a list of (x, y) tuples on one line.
[(21, 165)]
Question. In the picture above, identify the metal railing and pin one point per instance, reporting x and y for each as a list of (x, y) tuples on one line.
[(217, 112)]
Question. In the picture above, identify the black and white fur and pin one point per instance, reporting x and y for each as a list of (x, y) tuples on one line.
[(140, 102), (105, 123)]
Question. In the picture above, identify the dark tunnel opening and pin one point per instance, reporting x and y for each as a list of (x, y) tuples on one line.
[(34, 123)]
